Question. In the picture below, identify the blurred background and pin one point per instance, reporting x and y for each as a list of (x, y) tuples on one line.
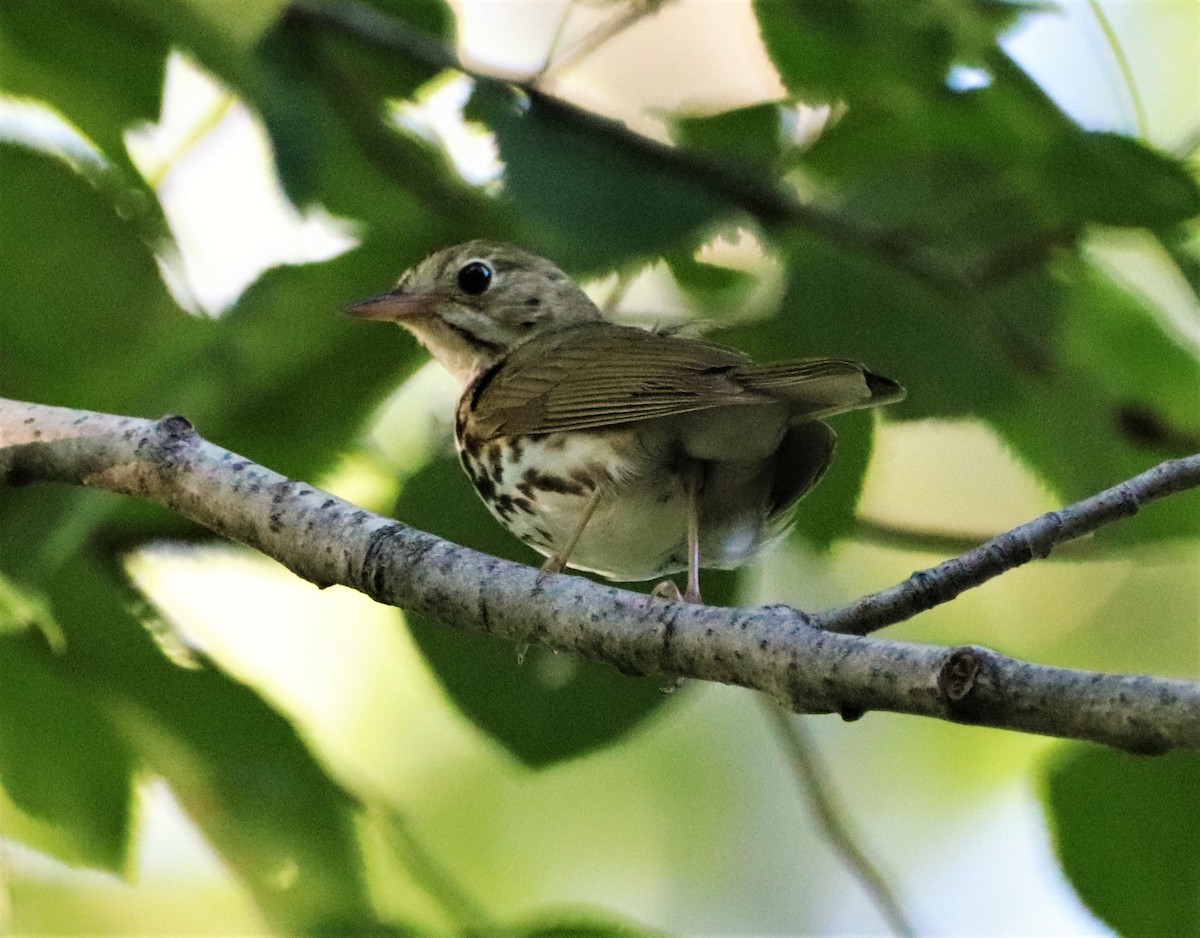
[(479, 790)]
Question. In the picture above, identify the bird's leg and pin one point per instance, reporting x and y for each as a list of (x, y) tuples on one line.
[(559, 560), (691, 593), (668, 589)]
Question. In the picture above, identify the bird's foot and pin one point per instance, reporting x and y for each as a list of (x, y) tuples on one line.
[(669, 590), (552, 565)]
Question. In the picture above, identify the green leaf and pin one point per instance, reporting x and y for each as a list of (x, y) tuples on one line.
[(1074, 373), (1111, 396), (1114, 180), (236, 766), (62, 762), (549, 708), (1127, 831), (856, 49), (827, 513), (322, 97), (108, 694), (710, 286), (239, 23), (289, 379), (994, 179), (839, 303), (587, 200), (752, 134), (85, 319), (99, 68), (578, 926)]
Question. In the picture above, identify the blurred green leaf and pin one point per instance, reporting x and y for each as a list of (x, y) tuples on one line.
[(579, 927), (1182, 243), (1127, 830), (240, 23), (237, 767), (752, 134), (993, 178), (322, 99), (1112, 396), (102, 70), (85, 319), (289, 379), (860, 49), (842, 304), (552, 706), (62, 762), (583, 200), (712, 287), (827, 513), (1114, 180), (1059, 363)]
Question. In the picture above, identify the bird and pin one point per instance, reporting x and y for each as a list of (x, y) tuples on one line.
[(632, 453)]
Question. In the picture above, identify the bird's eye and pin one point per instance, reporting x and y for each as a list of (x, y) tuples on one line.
[(475, 278)]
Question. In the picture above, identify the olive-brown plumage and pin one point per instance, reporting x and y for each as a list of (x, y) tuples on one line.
[(631, 453)]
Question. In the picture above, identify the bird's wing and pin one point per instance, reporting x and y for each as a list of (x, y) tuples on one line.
[(600, 375), (821, 387)]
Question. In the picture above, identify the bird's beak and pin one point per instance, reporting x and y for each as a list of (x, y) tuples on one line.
[(397, 305)]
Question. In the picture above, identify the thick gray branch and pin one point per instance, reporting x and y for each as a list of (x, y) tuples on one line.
[(796, 658)]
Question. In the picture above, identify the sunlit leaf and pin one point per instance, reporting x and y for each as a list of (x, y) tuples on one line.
[(238, 768)]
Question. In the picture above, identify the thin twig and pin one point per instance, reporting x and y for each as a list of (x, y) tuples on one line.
[(635, 12), (776, 649), (1122, 60), (814, 781), (1033, 540), (948, 543)]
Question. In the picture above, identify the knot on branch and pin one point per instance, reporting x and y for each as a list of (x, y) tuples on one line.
[(959, 674), (168, 441)]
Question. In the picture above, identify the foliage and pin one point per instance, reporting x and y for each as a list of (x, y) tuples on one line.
[(944, 246)]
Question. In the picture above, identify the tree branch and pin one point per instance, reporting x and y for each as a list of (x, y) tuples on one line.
[(764, 197), (1034, 539), (809, 663)]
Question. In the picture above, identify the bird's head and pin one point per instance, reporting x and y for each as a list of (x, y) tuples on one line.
[(473, 303)]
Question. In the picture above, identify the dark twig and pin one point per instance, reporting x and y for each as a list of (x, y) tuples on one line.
[(770, 201)]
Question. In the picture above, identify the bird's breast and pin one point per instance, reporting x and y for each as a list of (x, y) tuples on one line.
[(540, 485)]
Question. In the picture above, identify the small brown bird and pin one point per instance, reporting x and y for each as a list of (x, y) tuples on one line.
[(630, 453)]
